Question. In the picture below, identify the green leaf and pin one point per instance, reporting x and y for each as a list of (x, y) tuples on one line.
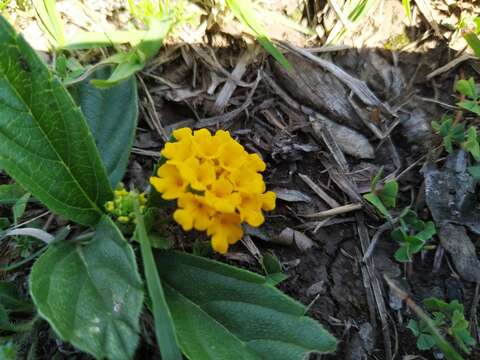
[(410, 219), (19, 207), (388, 195), (164, 327), (425, 342), (123, 71), (90, 40), (375, 180), (131, 62), (91, 294), (471, 145), (467, 88), (10, 298), (45, 143), (112, 117), (470, 105), (473, 41), (244, 11), (222, 312), (403, 253), (375, 201), (413, 326), (475, 172), (10, 194), (452, 134), (273, 269), (435, 304), (427, 232)]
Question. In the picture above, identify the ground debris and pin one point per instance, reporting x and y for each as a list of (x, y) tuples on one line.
[(450, 193), (456, 242)]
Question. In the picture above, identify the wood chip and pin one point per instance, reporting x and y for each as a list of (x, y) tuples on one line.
[(319, 191)]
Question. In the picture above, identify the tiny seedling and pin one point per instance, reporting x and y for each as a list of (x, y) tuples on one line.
[(470, 27), (468, 88), (449, 319), (452, 133), (273, 269), (412, 235), (383, 198), (471, 144)]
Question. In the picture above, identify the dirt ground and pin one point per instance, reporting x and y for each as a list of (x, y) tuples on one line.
[(383, 86)]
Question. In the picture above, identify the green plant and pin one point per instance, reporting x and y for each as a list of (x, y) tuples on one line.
[(244, 11), (383, 198), (452, 133), (468, 88), (159, 19), (470, 26), (455, 135), (412, 234), (449, 319), (56, 145), (48, 19)]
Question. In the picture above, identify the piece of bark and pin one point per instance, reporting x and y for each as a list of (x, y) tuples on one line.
[(310, 85), (350, 141), (456, 242)]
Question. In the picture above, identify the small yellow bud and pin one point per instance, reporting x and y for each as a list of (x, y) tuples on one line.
[(123, 219), (110, 206)]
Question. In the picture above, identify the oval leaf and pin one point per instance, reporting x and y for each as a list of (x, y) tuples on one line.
[(45, 143), (221, 312), (112, 117), (91, 295)]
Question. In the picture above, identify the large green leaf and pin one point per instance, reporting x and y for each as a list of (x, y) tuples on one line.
[(91, 295), (112, 116), (222, 312), (45, 143)]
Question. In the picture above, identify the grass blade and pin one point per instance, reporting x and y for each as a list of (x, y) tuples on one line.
[(48, 19), (244, 12), (474, 42), (408, 9), (164, 327)]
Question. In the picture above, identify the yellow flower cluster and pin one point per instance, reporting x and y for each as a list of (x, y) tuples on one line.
[(216, 182), (122, 205)]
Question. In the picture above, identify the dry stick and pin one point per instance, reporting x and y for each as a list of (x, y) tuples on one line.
[(319, 191), (332, 212), (369, 291), (215, 120), (341, 16), (375, 286), (326, 135), (444, 346), (230, 86), (252, 248), (156, 119), (375, 238), (450, 65), (150, 153)]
